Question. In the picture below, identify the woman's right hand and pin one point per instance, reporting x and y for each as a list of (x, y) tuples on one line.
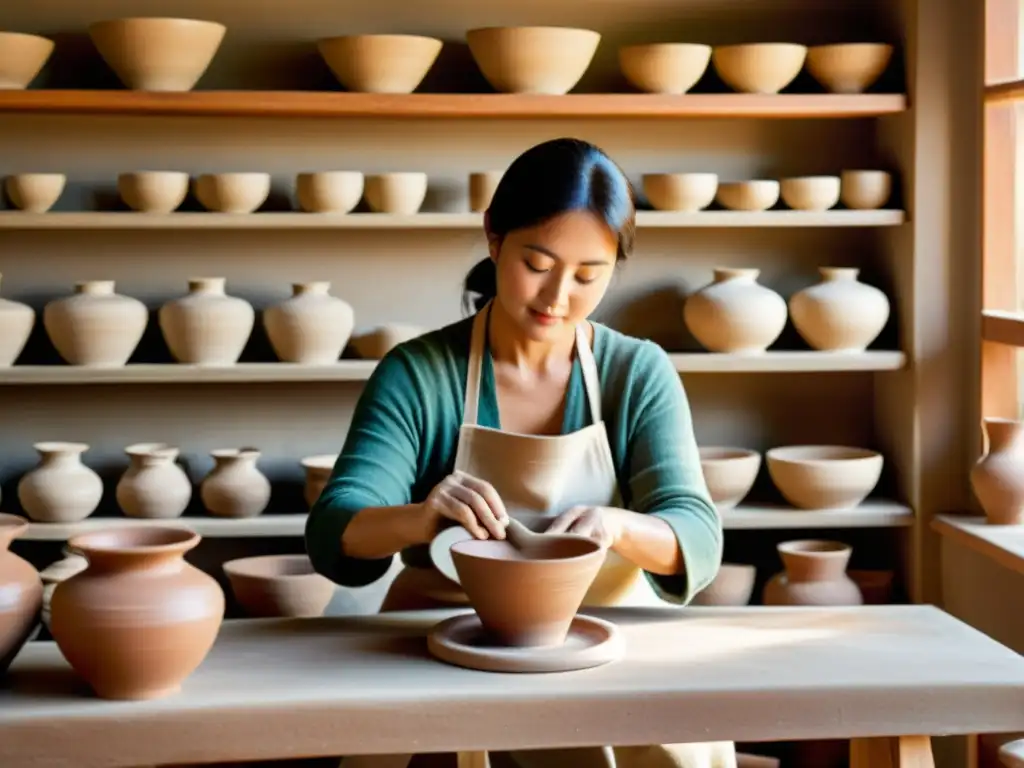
[(468, 501)]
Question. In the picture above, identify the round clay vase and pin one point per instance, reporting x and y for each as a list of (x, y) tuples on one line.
[(815, 575), (139, 619), (22, 591), (95, 326), (53, 574), (16, 321), (997, 478), (311, 327), (235, 487), (206, 326), (154, 486), (735, 314), (839, 314), (61, 489), (318, 472)]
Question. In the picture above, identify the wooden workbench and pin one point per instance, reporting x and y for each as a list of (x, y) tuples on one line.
[(366, 685)]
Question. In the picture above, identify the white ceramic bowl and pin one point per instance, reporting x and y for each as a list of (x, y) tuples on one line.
[(824, 476)]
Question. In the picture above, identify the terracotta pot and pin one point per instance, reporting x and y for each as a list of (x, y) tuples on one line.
[(815, 575), (729, 473), (95, 326), (22, 593), (279, 585), (34, 192), (235, 487), (53, 574), (839, 314), (997, 478), (61, 489), (735, 314), (318, 472), (16, 321), (311, 327), (139, 619), (207, 327), (153, 486), (22, 57), (732, 586), (495, 577)]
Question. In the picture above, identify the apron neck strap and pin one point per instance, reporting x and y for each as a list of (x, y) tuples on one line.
[(478, 338)]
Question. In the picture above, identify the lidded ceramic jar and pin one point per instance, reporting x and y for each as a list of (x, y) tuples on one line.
[(815, 575), (840, 313), (61, 489), (734, 313), (318, 472), (16, 321), (139, 619), (153, 486), (95, 326), (22, 591), (311, 327), (206, 326), (997, 478), (235, 487)]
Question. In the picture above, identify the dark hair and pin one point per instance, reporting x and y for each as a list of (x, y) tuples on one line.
[(547, 180)]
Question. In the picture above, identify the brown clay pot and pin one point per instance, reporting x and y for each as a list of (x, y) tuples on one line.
[(815, 575), (23, 593), (139, 619), (279, 585), (527, 602)]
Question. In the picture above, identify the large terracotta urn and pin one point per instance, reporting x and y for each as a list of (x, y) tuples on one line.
[(998, 477), (840, 313), (22, 591), (16, 321), (153, 486), (815, 574), (235, 486), (139, 619), (206, 326), (735, 314), (61, 489), (95, 326), (311, 327)]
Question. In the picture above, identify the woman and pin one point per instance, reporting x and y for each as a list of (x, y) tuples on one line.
[(528, 408)]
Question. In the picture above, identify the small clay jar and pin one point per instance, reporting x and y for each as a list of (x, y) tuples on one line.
[(139, 619), (815, 575), (207, 327), (22, 591), (311, 327), (153, 486), (235, 487), (16, 321), (61, 489), (95, 326), (735, 314), (840, 313), (997, 478)]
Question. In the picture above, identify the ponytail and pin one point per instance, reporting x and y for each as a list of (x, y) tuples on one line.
[(482, 282)]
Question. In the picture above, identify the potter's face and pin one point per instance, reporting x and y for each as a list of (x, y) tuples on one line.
[(553, 276)]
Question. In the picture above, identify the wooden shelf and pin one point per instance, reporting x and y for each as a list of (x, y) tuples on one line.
[(360, 370), (1004, 544), (871, 514), (327, 104), (471, 221), (1003, 327)]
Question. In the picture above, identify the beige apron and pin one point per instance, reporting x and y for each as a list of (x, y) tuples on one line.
[(538, 477)]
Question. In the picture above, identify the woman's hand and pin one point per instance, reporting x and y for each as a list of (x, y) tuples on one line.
[(470, 502), (602, 524)]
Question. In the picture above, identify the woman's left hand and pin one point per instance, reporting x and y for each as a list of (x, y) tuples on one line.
[(602, 524)]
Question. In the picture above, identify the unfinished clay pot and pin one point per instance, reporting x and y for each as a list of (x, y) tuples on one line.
[(376, 343), (664, 67), (752, 195), (153, 191), (865, 190), (732, 586), (688, 192), (810, 193), (22, 57), (22, 592), (236, 193), (729, 473), (527, 601), (61, 489), (546, 60), (824, 476), (95, 327), (735, 314), (329, 191), (848, 67), (380, 63), (759, 67), (399, 193), (815, 575), (157, 54), (839, 314), (279, 585), (311, 327), (997, 478), (53, 574), (207, 327), (16, 321), (154, 486), (235, 487), (34, 192), (139, 619), (318, 472)]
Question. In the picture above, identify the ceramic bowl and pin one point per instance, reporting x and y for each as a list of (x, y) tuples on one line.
[(688, 192), (21, 59), (759, 67), (732, 586), (153, 191), (848, 67), (400, 193), (232, 192), (729, 473), (547, 60), (34, 192), (664, 67), (278, 585), (755, 195), (329, 191), (380, 63), (824, 476), (527, 602), (810, 193), (865, 190)]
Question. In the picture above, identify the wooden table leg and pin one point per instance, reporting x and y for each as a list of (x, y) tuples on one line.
[(473, 760), (892, 752)]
